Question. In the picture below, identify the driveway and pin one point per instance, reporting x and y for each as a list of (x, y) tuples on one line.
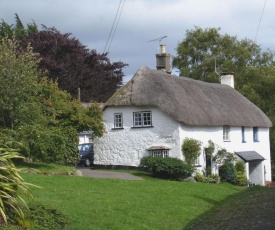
[(88, 172)]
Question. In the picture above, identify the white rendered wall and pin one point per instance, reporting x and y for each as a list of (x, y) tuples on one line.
[(235, 144), (128, 145)]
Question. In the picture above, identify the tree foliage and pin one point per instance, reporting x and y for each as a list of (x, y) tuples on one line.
[(200, 49), (37, 113), (203, 49), (69, 62), (18, 75)]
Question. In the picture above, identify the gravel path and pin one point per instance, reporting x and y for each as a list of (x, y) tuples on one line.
[(106, 174)]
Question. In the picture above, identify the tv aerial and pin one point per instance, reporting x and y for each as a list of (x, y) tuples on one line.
[(158, 40), (215, 57)]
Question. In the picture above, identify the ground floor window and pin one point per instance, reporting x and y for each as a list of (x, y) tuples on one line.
[(159, 153)]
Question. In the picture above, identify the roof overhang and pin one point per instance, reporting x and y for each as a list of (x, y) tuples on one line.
[(249, 156), (159, 147)]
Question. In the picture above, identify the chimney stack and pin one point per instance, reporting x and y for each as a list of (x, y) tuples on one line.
[(163, 60), (227, 78)]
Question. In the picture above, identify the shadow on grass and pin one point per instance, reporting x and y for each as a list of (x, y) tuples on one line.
[(220, 215)]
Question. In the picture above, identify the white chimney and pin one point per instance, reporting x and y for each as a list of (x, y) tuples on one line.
[(227, 78), (163, 60)]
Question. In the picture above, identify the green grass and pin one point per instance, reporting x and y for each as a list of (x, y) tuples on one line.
[(122, 204)]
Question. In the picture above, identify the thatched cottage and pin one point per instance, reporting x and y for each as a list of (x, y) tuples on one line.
[(154, 112)]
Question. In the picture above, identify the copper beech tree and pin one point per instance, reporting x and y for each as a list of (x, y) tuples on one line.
[(68, 61)]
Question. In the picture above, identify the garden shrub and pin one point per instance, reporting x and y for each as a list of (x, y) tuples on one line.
[(167, 168), (228, 173), (191, 149), (213, 178), (240, 167), (147, 163), (241, 179), (199, 177)]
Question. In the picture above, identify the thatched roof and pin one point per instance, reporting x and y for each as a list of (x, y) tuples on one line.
[(189, 101)]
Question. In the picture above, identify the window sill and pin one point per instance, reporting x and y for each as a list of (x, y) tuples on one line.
[(256, 141), (140, 127), (243, 141), (226, 141), (117, 128), (198, 165)]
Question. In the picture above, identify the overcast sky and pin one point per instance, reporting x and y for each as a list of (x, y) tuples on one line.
[(90, 21)]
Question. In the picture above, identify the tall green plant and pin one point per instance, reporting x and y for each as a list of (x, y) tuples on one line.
[(11, 183), (191, 149)]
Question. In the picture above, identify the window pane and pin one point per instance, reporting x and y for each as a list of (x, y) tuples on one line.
[(243, 134), (147, 119), (255, 134), (137, 119), (226, 131), (165, 153)]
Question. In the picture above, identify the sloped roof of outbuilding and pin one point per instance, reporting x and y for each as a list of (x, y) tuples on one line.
[(189, 101)]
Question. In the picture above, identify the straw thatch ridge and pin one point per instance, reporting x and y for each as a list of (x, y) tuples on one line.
[(189, 101)]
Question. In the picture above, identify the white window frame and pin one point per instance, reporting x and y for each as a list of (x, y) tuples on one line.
[(142, 119), (118, 121), (159, 153), (226, 133)]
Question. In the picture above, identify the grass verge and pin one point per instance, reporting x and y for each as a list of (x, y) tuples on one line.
[(122, 204)]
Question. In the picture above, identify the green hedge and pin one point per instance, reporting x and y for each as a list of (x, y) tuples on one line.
[(167, 168), (51, 145)]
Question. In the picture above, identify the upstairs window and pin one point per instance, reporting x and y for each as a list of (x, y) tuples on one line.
[(118, 122), (226, 133), (255, 134), (243, 134), (143, 119)]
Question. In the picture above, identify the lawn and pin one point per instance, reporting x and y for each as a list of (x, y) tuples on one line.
[(90, 203)]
